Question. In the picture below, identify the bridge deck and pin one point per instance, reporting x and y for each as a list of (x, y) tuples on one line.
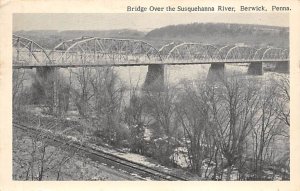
[(146, 64)]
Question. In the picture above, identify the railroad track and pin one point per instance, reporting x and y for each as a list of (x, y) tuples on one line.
[(110, 159)]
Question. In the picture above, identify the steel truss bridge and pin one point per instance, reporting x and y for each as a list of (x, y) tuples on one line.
[(97, 52)]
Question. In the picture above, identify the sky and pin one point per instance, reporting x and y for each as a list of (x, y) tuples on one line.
[(138, 21)]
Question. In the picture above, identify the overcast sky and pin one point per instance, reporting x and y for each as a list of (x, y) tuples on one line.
[(138, 21)]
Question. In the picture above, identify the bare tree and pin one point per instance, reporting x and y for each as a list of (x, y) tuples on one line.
[(283, 93), (193, 115), (35, 156), (283, 102), (262, 132), (107, 96), (18, 87), (271, 125), (233, 109), (136, 119), (81, 89), (160, 105), (62, 93)]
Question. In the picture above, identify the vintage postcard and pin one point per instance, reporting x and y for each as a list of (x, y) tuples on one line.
[(167, 95)]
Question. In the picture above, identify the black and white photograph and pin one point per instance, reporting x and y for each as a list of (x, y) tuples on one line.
[(162, 95), (150, 97)]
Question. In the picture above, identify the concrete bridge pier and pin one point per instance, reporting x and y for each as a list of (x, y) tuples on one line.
[(255, 68), (45, 87), (44, 73), (155, 77), (216, 72), (282, 67)]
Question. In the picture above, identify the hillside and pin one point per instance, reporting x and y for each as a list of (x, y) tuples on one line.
[(217, 33), (212, 33)]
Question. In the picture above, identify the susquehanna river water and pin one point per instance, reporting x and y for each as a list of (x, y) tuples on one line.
[(136, 75), (173, 74)]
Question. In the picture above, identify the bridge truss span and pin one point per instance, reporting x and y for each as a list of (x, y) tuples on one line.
[(272, 52), (63, 46), (28, 52), (97, 52), (105, 51), (192, 52), (197, 53), (240, 52), (165, 50)]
